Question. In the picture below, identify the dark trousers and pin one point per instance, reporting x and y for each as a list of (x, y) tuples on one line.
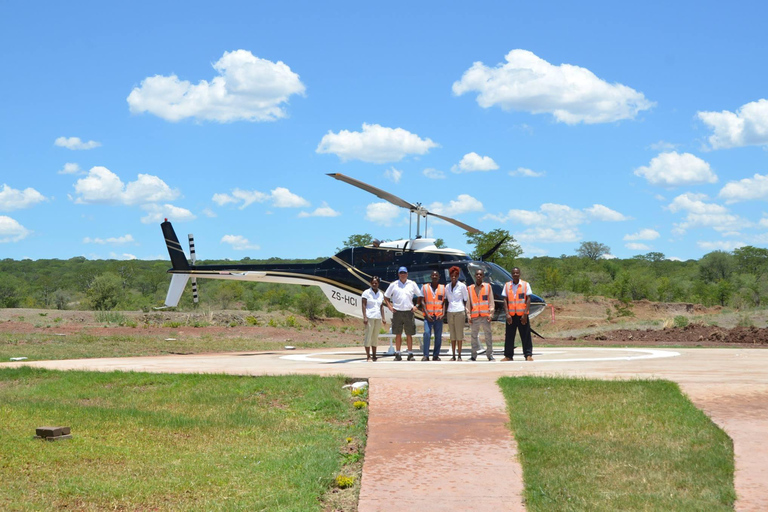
[(525, 336)]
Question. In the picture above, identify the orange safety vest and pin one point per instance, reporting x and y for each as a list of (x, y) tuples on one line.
[(481, 306), (433, 300), (516, 303)]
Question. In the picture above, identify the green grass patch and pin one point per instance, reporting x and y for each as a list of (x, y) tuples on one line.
[(37, 347), (184, 442), (617, 445)]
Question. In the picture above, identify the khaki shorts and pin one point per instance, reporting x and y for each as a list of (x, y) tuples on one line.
[(372, 332), (456, 325), (403, 320)]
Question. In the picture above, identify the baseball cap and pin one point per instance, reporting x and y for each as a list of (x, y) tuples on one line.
[(402, 269)]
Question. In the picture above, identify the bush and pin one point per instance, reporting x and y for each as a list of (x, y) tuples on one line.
[(104, 292), (681, 321), (310, 302)]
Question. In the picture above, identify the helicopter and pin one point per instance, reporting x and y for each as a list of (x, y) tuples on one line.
[(342, 278)]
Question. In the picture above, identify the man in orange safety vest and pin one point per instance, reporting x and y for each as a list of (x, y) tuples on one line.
[(517, 303)]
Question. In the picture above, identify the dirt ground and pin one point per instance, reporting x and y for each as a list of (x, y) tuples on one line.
[(569, 321)]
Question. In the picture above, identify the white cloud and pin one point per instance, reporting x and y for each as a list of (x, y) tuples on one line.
[(600, 212), (703, 214), (663, 146), (209, 213), (13, 199), (572, 94), (634, 246), (74, 143), (384, 214), (643, 234), (71, 168), (123, 256), (608, 257), (120, 240), (473, 162), (674, 169), (102, 186), (764, 222), (526, 173), (565, 219), (375, 144), (156, 213), (746, 189), (721, 245), (239, 243), (11, 230), (674, 258), (549, 235), (393, 174), (433, 174), (281, 197), (746, 127), (464, 203), (549, 213), (322, 211), (247, 88), (284, 198)]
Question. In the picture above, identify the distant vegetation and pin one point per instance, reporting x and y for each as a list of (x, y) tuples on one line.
[(737, 279)]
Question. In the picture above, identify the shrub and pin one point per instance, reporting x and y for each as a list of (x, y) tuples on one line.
[(681, 321), (360, 404), (342, 481)]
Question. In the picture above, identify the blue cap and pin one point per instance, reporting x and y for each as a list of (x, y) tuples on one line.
[(402, 269)]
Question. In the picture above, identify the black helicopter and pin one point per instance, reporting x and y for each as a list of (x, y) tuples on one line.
[(343, 277)]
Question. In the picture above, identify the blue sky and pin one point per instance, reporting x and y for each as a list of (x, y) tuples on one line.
[(643, 126)]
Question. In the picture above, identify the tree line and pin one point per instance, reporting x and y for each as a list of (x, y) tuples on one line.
[(736, 278)]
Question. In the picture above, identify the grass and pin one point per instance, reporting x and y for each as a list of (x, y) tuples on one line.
[(37, 347), (617, 445), (183, 442)]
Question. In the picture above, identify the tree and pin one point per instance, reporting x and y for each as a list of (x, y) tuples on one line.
[(105, 291), (356, 241), (716, 266), (506, 253), (592, 250), (752, 260)]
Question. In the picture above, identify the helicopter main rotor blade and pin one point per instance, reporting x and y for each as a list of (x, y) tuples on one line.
[(494, 248), (375, 191), (456, 222)]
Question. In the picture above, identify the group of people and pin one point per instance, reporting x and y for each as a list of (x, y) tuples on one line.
[(455, 303)]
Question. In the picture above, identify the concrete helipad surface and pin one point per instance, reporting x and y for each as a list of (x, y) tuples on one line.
[(730, 385)]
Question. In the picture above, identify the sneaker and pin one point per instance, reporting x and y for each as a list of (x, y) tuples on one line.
[(411, 358), (506, 359), (491, 358), (473, 358), (436, 358), (398, 357), (425, 358), (529, 358)]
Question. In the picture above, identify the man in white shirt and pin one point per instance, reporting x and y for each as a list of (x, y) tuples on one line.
[(399, 297), (457, 297)]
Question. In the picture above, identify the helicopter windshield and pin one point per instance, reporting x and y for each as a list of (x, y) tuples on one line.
[(494, 274)]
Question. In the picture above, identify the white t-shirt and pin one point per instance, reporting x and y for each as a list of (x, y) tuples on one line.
[(456, 297), (514, 289), (373, 303), (402, 294)]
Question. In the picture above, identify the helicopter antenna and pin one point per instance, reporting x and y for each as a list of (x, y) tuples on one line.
[(417, 208)]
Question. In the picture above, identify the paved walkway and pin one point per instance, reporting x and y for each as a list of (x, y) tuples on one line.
[(429, 448), (730, 385)]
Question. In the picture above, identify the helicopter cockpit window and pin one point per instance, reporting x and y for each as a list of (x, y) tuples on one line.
[(494, 274), (420, 277)]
